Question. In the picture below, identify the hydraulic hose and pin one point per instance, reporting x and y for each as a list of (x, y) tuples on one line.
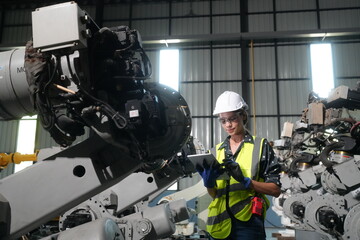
[(325, 153)]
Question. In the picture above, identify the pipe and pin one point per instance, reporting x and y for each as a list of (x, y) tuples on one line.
[(253, 85)]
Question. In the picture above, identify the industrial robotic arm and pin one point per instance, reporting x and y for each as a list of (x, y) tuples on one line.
[(320, 154), (78, 76), (132, 211)]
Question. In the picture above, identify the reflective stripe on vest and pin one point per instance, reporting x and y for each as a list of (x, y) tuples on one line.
[(219, 222), (254, 169), (232, 188), (255, 165), (224, 215)]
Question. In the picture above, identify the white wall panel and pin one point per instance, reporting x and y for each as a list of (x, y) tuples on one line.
[(8, 137), (291, 119), (158, 27), (351, 83), (338, 3), (225, 6), (201, 129), (340, 19), (346, 59), (296, 21), (227, 24), (198, 98), (266, 127), (190, 26), (151, 10), (14, 35), (116, 23), (219, 88), (195, 65), (261, 23), (265, 98), (285, 5), (154, 59), (190, 8), (116, 11), (43, 138), (294, 61), (260, 6), (7, 171), (91, 10), (227, 64), (264, 62), (293, 96), (17, 16)]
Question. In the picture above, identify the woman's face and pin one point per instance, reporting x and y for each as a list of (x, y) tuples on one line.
[(232, 122)]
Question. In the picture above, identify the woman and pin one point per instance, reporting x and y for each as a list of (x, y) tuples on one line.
[(239, 203)]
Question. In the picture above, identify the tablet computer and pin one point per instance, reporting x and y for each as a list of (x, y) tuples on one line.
[(200, 159), (209, 159)]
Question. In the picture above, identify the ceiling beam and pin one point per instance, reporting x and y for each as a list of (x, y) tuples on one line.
[(256, 37), (259, 37)]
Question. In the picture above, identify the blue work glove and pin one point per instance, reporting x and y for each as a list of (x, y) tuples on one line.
[(208, 173), (234, 170)]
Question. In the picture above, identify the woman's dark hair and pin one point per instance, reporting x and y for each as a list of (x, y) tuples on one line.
[(244, 113)]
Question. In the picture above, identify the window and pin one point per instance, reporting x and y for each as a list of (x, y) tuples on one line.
[(169, 68), (26, 140), (322, 68), (169, 76)]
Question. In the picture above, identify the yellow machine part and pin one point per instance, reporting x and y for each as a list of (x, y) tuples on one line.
[(16, 158)]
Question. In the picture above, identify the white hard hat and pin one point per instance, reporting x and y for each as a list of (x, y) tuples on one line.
[(229, 101)]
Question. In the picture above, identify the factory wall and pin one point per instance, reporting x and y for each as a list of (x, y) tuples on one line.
[(8, 133)]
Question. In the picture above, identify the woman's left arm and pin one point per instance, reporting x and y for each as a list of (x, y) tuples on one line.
[(266, 188), (270, 172)]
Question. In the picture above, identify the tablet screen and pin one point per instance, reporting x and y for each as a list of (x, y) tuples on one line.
[(209, 159), (200, 159)]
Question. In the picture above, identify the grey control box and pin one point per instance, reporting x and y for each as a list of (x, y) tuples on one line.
[(59, 26)]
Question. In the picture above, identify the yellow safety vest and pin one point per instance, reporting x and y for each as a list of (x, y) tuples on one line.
[(219, 221)]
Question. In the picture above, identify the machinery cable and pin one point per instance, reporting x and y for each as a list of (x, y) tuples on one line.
[(117, 118), (148, 68)]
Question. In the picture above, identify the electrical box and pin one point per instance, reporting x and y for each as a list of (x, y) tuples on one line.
[(287, 130), (340, 92), (342, 96), (316, 113), (279, 143), (59, 26), (300, 126)]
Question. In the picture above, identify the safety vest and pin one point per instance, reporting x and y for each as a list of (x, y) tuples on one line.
[(219, 221)]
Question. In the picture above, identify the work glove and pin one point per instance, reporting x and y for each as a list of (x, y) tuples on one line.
[(208, 173), (234, 170)]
